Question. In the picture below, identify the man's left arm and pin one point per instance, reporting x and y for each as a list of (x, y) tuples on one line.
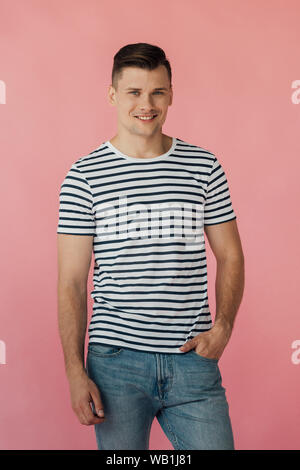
[(226, 245)]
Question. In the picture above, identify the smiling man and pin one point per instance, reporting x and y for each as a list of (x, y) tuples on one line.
[(141, 111), (141, 203)]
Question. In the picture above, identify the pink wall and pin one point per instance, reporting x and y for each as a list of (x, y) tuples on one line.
[(234, 63)]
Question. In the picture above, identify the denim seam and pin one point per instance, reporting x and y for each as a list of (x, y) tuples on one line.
[(176, 444)]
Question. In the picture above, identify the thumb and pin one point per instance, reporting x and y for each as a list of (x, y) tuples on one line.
[(95, 394), (188, 346)]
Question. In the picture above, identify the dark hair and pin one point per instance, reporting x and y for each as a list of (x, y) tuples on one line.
[(141, 54)]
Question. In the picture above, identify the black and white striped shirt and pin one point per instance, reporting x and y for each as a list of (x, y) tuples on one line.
[(146, 217)]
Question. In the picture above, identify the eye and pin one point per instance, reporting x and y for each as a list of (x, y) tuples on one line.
[(159, 92)]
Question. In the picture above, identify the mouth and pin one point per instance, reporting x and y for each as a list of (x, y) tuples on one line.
[(148, 118)]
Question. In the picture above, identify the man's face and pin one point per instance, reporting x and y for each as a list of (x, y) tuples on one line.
[(142, 92)]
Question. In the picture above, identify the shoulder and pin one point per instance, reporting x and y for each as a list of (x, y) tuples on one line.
[(193, 150), (89, 157)]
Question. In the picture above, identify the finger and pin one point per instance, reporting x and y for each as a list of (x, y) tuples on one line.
[(85, 415), (81, 417), (98, 406), (100, 413), (188, 346), (90, 417)]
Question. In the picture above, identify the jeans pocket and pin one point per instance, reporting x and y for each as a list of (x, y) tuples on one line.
[(209, 359), (104, 350)]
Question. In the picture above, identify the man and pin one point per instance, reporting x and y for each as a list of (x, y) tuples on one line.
[(141, 203)]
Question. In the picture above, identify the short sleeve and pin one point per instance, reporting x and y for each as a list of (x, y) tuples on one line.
[(75, 205), (218, 205)]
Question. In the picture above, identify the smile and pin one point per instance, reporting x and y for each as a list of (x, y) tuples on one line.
[(146, 118)]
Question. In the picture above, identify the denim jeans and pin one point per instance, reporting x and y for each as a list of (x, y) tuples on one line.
[(182, 390)]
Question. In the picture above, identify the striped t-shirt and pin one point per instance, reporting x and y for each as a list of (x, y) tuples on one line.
[(146, 217)]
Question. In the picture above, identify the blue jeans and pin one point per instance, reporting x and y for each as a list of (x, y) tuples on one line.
[(182, 390)]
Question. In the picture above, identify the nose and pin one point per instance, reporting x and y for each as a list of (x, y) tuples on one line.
[(145, 103)]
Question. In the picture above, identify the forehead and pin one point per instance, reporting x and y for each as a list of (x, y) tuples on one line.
[(136, 77)]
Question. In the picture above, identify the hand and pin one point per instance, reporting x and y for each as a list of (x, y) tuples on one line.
[(211, 343), (83, 392)]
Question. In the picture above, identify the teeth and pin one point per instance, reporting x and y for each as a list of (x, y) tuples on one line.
[(145, 118)]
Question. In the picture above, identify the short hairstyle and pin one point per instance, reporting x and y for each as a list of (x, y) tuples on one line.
[(141, 54)]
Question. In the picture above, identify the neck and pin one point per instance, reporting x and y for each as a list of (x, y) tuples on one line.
[(141, 147)]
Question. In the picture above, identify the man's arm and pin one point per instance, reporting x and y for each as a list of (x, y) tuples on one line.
[(74, 259), (226, 245)]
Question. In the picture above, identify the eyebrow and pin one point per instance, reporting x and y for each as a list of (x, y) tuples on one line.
[(138, 89)]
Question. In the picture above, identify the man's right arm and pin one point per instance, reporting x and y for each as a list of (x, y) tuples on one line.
[(74, 259)]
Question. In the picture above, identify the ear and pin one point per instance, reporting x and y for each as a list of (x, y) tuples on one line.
[(171, 96), (111, 95)]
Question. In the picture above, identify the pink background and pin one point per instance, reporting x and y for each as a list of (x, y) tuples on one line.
[(233, 65)]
